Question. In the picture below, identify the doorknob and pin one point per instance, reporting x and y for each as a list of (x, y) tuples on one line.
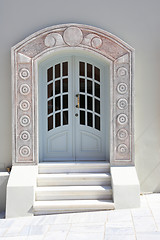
[(77, 95)]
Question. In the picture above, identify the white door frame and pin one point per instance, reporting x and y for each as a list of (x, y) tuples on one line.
[(73, 148)]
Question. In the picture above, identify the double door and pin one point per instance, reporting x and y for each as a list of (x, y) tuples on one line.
[(72, 110)]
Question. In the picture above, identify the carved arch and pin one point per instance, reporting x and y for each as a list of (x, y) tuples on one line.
[(24, 88)]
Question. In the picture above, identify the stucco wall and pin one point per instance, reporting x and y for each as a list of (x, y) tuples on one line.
[(136, 22)]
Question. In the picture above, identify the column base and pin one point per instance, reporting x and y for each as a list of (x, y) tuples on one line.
[(126, 188), (20, 191)]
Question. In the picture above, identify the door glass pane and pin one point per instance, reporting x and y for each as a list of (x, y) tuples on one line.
[(97, 90), (65, 101), (65, 117), (97, 74), (57, 70), (82, 84), (97, 122), (50, 123), (89, 103), (50, 106), (97, 106), (89, 119), (82, 117), (50, 74), (65, 68), (89, 86), (57, 119), (57, 103), (89, 70), (50, 90), (57, 87), (65, 85), (82, 101), (82, 69)]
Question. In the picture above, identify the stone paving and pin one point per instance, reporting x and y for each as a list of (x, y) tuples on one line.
[(128, 224)]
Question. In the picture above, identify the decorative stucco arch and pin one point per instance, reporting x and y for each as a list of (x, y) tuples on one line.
[(25, 90)]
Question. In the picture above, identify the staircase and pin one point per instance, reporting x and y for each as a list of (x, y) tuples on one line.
[(73, 187)]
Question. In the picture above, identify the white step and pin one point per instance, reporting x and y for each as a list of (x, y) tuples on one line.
[(72, 179), (73, 192), (50, 207), (80, 167)]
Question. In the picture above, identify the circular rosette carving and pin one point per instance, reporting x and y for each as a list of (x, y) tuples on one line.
[(49, 40), (122, 134), (96, 42), (24, 89), (122, 103), (122, 88), (122, 119), (73, 36), (122, 149), (25, 151), (24, 105), (24, 73), (25, 135), (122, 72), (24, 120)]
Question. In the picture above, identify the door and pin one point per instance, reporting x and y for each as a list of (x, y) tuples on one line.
[(72, 110)]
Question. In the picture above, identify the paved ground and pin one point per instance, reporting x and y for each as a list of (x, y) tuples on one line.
[(140, 224)]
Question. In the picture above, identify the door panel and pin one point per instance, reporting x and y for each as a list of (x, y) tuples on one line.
[(90, 133), (71, 110)]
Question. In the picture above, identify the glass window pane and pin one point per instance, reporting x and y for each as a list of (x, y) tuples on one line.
[(50, 90), (50, 74), (65, 68), (57, 70), (82, 101), (82, 117), (65, 101), (57, 119), (65, 85), (89, 86), (97, 90), (89, 119), (82, 84), (89, 70), (65, 117), (89, 103), (97, 106), (57, 87), (97, 122), (97, 74), (82, 69), (50, 106), (57, 103), (50, 123)]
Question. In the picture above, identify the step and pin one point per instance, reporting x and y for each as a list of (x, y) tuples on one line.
[(80, 167), (51, 207), (74, 192), (72, 179)]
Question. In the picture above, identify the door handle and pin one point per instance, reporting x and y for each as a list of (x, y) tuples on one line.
[(77, 96)]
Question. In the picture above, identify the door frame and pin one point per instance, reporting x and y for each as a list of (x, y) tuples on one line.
[(73, 58), (25, 58)]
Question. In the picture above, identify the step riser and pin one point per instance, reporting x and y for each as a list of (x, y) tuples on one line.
[(74, 168), (45, 212), (79, 182), (68, 209), (73, 196)]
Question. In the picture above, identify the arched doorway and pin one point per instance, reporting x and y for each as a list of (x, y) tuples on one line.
[(74, 100)]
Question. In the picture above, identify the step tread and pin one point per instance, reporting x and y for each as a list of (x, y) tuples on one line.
[(73, 188), (73, 175)]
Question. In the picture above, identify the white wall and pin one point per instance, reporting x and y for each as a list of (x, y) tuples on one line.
[(137, 22)]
